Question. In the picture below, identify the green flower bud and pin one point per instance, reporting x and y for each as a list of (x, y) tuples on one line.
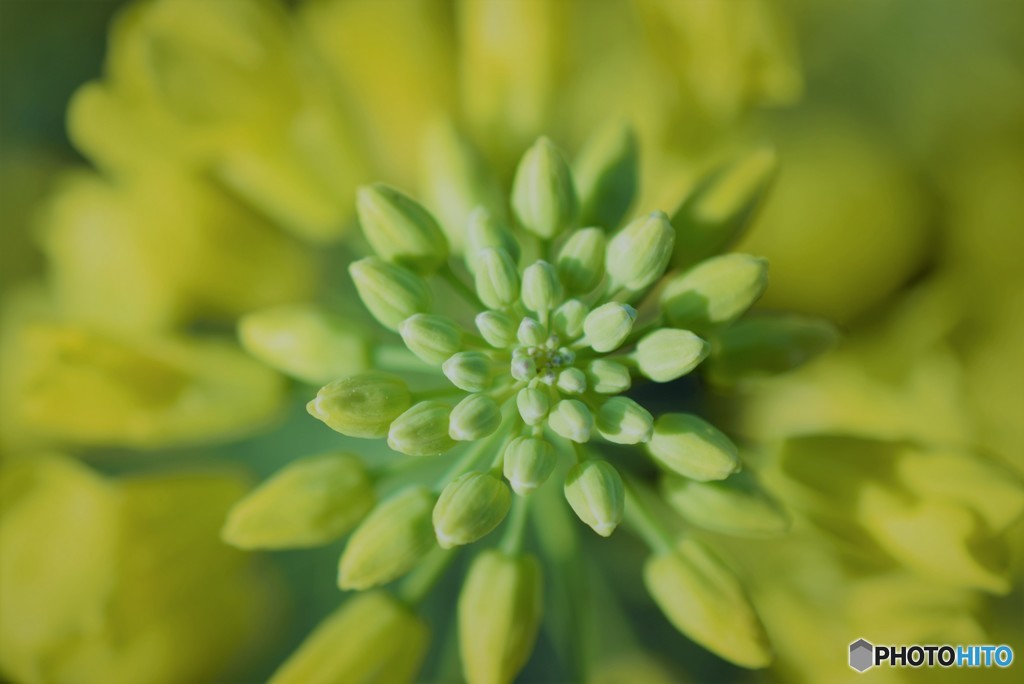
[(485, 231), (469, 508), (541, 289), (422, 430), (362, 405), (581, 260), (533, 405), (432, 338), (607, 173), (399, 229), (609, 325), (531, 333), (471, 371), (595, 492), (524, 366), (704, 600), (476, 416), (391, 293), (759, 346), (497, 281), (496, 328), (736, 506), (392, 539), (305, 342), (543, 194), (569, 317), (572, 381), (372, 637), (623, 421), (571, 419), (608, 377), (528, 463), (667, 354), (639, 253), (715, 292), (687, 445), (500, 610), (309, 502)]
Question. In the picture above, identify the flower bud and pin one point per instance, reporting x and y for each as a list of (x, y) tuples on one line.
[(372, 637), (391, 293), (422, 430), (533, 405), (594, 490), (528, 463), (639, 253), (623, 421), (735, 506), (497, 329), (309, 502), (541, 289), (572, 381), (476, 416), (543, 194), (701, 596), (399, 229), (500, 610), (531, 333), (608, 377), (485, 231), (496, 278), (715, 292), (609, 325), (689, 446), (469, 370), (763, 345), (568, 319), (524, 366), (606, 172), (581, 260), (571, 419), (432, 338), (392, 539), (469, 508), (667, 354), (362, 405)]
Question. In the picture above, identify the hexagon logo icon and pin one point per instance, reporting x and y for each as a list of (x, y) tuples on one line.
[(861, 655)]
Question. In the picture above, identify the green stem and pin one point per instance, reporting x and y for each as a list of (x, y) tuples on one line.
[(418, 584), (640, 518), (515, 532), (393, 357), (464, 290), (474, 454)]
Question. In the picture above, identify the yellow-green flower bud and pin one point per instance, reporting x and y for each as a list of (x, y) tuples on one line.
[(524, 366), (541, 289), (309, 502), (572, 381), (485, 231), (362, 405), (373, 637), (391, 293), (571, 419), (471, 371), (422, 430), (476, 416), (432, 338), (609, 325), (606, 172), (667, 354), (469, 508), (736, 506), (715, 292), (690, 446), (608, 377), (496, 278), (531, 333), (569, 317), (595, 492), (399, 229), (623, 421), (496, 328), (639, 253), (500, 609), (543, 194), (704, 600), (392, 539), (764, 345), (533, 405), (528, 463), (581, 260)]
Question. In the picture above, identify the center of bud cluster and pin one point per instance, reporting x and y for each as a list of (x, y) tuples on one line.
[(541, 361)]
